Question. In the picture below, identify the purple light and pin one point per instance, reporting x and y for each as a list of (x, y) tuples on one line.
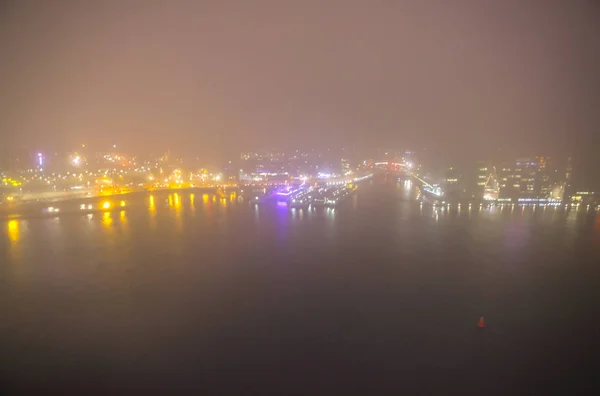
[(287, 193)]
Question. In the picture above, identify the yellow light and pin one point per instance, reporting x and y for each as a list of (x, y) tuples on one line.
[(9, 199), (106, 205), (122, 204), (177, 203), (106, 219), (152, 205), (13, 230)]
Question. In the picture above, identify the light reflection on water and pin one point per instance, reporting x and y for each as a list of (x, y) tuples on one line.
[(152, 212), (14, 232), (151, 205), (547, 215), (379, 256), (107, 220), (177, 206)]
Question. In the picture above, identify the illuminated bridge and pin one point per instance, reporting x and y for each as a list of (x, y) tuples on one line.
[(405, 168)]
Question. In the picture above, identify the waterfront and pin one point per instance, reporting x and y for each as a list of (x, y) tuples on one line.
[(180, 291)]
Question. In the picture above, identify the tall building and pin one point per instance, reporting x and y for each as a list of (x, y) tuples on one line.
[(483, 174), (509, 184), (475, 178), (576, 186), (451, 185), (569, 190), (543, 182), (525, 172), (525, 178)]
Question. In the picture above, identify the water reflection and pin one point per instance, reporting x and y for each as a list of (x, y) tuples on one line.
[(192, 202), (175, 203), (330, 213), (107, 220), (282, 219), (152, 210), (152, 205), (256, 213), (14, 232)]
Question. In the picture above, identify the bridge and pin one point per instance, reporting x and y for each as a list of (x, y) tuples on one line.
[(407, 168)]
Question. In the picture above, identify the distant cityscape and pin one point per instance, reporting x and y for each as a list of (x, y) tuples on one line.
[(42, 176)]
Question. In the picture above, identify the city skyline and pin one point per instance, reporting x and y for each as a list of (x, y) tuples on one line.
[(85, 172)]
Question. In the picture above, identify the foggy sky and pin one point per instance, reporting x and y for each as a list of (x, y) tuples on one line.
[(212, 77)]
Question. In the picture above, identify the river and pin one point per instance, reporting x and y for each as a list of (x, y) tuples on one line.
[(190, 292)]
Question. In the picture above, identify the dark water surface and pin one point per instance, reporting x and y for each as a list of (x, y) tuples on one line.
[(186, 291)]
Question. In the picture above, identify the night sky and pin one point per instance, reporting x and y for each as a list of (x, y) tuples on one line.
[(214, 77)]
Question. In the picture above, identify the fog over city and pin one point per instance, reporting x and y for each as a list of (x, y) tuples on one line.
[(299, 197), (214, 78)]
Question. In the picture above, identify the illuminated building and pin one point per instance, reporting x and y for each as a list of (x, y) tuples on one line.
[(577, 188), (526, 170), (543, 183), (585, 198), (509, 185), (40, 160), (475, 180), (526, 178), (451, 185), (570, 181)]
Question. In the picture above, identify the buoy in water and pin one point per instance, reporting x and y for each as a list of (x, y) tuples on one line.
[(481, 324)]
